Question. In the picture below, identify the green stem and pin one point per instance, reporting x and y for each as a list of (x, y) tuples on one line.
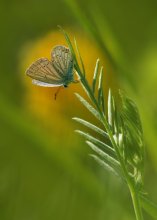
[(136, 202)]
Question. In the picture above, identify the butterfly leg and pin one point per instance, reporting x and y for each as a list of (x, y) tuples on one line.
[(56, 93)]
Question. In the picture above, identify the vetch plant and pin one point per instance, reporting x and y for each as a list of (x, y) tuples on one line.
[(122, 151)]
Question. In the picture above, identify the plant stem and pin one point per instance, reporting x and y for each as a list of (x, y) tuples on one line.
[(136, 202)]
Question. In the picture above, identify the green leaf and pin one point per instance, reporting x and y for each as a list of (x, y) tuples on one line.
[(95, 75), (104, 164), (68, 41), (82, 64), (94, 140), (71, 50), (91, 126), (132, 131), (102, 101), (89, 106), (100, 89), (108, 159), (104, 155), (111, 110)]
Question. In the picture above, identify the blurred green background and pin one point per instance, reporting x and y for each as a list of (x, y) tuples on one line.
[(45, 171)]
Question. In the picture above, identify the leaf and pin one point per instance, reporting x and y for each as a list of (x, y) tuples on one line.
[(89, 107), (100, 89), (91, 126), (111, 109), (82, 64), (68, 41), (104, 155), (102, 101), (95, 75), (104, 165), (133, 131), (131, 114), (94, 140), (108, 159), (72, 51)]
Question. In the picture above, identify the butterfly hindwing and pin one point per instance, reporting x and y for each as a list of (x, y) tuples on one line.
[(62, 60), (39, 83)]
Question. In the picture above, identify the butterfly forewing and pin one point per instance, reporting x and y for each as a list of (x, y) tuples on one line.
[(42, 70), (62, 60)]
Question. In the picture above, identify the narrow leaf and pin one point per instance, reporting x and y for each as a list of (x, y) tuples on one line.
[(82, 64), (104, 155), (95, 75), (117, 125), (72, 51), (89, 106), (134, 147), (68, 41), (100, 90), (94, 140), (104, 165), (102, 101), (91, 126), (110, 110)]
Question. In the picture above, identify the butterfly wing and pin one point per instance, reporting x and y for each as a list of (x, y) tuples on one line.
[(43, 84), (42, 71), (62, 60)]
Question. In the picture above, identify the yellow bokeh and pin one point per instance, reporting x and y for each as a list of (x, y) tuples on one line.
[(39, 101)]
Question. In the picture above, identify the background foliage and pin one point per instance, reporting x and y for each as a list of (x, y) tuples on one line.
[(42, 177)]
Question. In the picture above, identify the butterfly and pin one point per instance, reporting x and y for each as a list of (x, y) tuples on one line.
[(57, 72)]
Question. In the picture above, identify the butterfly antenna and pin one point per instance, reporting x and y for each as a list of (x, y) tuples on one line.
[(56, 93)]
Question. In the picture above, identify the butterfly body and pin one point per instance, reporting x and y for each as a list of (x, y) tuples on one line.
[(56, 72)]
